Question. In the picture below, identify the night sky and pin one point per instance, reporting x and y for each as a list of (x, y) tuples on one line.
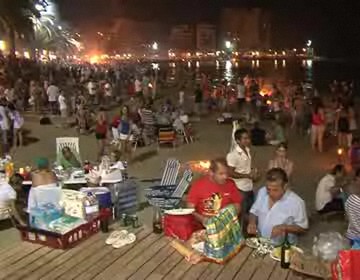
[(333, 25)]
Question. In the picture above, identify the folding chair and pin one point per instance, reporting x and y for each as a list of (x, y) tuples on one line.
[(169, 197), (71, 142), (167, 136), (171, 172)]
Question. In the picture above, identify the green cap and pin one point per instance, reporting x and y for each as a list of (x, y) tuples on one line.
[(42, 163)]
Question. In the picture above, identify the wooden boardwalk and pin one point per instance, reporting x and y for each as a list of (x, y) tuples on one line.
[(150, 257)]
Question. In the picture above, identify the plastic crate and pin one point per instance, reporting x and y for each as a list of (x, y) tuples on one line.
[(60, 241)]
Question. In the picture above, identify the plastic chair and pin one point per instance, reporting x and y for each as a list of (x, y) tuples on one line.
[(71, 142), (167, 136)]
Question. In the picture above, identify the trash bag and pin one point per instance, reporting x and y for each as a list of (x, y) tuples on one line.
[(327, 245), (347, 267)]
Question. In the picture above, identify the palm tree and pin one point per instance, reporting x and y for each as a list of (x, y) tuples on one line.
[(15, 19)]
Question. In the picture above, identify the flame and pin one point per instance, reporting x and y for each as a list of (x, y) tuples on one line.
[(201, 166), (339, 151), (265, 92), (268, 102), (204, 164)]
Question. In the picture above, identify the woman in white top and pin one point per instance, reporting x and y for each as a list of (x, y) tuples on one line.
[(18, 122), (281, 161)]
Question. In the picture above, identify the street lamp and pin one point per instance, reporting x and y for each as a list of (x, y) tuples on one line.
[(155, 46), (228, 44)]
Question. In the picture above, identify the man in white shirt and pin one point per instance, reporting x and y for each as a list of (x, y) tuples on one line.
[(53, 95), (328, 191), (92, 90), (239, 162), (277, 210)]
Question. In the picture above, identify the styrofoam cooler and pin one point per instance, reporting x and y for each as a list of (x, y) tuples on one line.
[(102, 194)]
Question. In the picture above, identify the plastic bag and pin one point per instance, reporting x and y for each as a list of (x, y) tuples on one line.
[(327, 245), (348, 265)]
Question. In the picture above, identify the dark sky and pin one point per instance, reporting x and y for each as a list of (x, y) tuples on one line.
[(333, 25)]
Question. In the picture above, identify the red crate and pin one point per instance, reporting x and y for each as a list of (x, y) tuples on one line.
[(60, 241)]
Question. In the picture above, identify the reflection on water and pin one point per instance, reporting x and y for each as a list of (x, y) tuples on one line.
[(320, 73)]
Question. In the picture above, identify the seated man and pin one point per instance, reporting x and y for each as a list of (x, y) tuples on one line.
[(328, 191), (44, 189), (258, 135), (277, 210), (68, 159), (213, 192)]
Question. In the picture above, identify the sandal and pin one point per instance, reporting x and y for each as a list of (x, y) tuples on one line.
[(129, 239), (115, 236)]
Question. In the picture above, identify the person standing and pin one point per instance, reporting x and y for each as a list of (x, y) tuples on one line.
[(18, 122), (63, 107), (4, 125), (198, 100), (317, 127), (241, 90), (240, 163), (53, 93)]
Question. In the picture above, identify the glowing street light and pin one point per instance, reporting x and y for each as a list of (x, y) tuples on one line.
[(228, 44), (155, 46)]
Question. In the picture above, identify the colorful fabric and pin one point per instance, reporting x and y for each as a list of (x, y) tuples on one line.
[(223, 235)]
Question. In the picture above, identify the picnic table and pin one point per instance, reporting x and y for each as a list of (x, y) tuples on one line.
[(150, 257)]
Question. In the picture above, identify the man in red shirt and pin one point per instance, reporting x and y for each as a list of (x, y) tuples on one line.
[(213, 192)]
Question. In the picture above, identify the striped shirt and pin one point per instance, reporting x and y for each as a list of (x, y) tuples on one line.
[(352, 208)]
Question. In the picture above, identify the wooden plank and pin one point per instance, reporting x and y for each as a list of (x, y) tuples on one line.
[(4, 272), (249, 268), (212, 272), (14, 251), (265, 269), (196, 271), (20, 274), (235, 264), (140, 260), (113, 255), (117, 266), (25, 251), (151, 265), (74, 261), (279, 273), (296, 276), (178, 271), (165, 267), (68, 254)]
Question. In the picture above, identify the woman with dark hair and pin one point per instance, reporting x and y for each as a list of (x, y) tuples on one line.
[(317, 127), (125, 135), (281, 160)]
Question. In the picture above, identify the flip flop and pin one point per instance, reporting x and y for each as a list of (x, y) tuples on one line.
[(129, 239), (115, 236)]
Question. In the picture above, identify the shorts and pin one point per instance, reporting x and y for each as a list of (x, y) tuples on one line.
[(100, 136)]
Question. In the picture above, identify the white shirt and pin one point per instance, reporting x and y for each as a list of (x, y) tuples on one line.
[(62, 102), (108, 90), (181, 97), (240, 91), (241, 161), (17, 119), (352, 208), (53, 93), (92, 88), (137, 85), (323, 194), (7, 193), (4, 121), (289, 210)]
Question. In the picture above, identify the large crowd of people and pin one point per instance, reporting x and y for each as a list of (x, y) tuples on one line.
[(83, 94)]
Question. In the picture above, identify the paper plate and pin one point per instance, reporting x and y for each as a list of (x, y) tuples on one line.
[(182, 211), (254, 242), (276, 253)]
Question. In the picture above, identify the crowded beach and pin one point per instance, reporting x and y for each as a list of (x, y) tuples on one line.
[(214, 173)]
